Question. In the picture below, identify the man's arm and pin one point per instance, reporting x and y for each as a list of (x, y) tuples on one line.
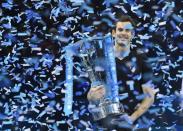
[(146, 103)]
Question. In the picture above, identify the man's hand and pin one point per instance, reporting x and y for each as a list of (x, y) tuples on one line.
[(123, 121), (96, 93), (127, 118)]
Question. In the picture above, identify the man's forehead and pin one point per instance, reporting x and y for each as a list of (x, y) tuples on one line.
[(124, 25)]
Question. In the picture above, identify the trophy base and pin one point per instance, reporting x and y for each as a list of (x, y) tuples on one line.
[(106, 109)]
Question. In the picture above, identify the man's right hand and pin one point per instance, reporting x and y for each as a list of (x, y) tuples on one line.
[(96, 93)]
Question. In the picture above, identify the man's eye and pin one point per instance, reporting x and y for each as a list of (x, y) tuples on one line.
[(128, 30)]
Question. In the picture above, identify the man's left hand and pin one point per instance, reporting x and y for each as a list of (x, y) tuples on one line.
[(124, 117), (123, 121)]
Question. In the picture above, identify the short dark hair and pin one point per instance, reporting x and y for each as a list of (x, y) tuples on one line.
[(124, 18)]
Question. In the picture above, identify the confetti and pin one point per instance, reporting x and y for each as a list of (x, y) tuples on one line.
[(33, 81), (8, 5)]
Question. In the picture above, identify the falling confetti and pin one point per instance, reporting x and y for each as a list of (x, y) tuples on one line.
[(33, 80)]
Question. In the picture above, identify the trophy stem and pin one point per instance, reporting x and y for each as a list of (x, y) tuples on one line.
[(111, 69)]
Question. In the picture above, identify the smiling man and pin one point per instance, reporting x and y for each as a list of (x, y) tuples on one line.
[(134, 78), (123, 35)]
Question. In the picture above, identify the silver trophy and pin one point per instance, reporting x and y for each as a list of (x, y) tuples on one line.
[(98, 58)]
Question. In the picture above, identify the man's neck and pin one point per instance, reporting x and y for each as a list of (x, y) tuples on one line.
[(121, 52)]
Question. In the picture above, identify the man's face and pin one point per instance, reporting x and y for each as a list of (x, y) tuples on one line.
[(123, 33)]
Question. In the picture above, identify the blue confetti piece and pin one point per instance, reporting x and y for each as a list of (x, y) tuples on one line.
[(130, 84), (18, 19), (123, 96), (76, 115), (109, 3), (8, 5), (41, 114), (123, 124), (180, 45), (23, 33), (52, 104), (78, 93), (129, 27), (10, 37), (47, 60), (45, 86), (131, 2), (7, 26), (82, 112), (55, 12), (32, 15), (39, 4), (172, 23), (87, 29), (154, 110), (109, 22), (141, 97), (147, 122), (22, 94), (171, 109), (87, 8), (77, 3), (2, 116), (176, 34), (16, 88), (177, 18), (160, 1), (50, 94), (7, 122), (85, 124), (4, 81)]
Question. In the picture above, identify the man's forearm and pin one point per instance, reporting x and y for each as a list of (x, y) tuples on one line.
[(144, 106), (146, 103)]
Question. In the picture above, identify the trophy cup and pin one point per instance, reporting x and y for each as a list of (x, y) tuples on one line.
[(98, 59), (98, 53)]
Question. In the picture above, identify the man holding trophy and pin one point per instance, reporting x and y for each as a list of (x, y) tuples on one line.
[(131, 93)]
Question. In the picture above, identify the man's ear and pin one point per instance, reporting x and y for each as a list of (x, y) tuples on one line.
[(113, 33)]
